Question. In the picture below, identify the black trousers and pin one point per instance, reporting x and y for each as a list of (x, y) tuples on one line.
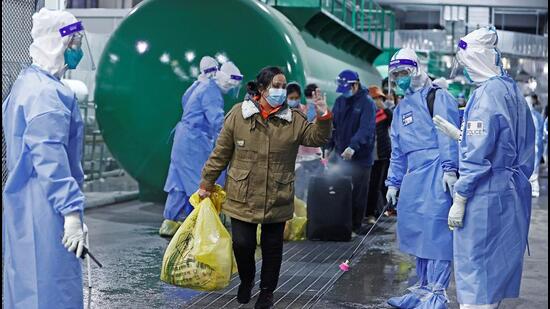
[(360, 178), (377, 188), (244, 247)]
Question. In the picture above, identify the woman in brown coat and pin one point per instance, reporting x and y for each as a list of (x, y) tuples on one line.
[(258, 145)]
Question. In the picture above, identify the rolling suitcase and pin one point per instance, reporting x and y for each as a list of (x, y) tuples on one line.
[(329, 203)]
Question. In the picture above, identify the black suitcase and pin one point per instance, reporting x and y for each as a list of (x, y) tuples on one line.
[(329, 203)]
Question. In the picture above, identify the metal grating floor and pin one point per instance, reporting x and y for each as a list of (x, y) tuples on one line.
[(308, 271)]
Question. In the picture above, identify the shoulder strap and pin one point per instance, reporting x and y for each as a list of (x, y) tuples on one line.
[(430, 99)]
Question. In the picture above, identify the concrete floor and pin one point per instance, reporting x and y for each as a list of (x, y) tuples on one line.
[(124, 238)]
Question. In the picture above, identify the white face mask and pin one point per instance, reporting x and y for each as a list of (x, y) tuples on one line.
[(276, 97), (293, 103)]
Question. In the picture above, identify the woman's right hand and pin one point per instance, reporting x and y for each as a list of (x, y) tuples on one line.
[(204, 193), (320, 101)]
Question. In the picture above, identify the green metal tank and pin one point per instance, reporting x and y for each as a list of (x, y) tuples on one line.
[(153, 56)]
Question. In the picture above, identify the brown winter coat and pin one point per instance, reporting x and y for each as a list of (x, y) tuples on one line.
[(260, 155)]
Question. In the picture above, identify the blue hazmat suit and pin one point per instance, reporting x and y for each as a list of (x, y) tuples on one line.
[(496, 160), (194, 139), (538, 121), (420, 156), (429, 292), (43, 132)]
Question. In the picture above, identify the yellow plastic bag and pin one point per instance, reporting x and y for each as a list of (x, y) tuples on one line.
[(295, 229), (200, 256), (300, 208)]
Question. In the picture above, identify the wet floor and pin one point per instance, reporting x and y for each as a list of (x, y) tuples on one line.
[(124, 238)]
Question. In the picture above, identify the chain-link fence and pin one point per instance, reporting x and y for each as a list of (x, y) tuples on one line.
[(16, 39)]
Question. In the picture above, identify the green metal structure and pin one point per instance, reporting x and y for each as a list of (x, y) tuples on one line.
[(153, 57)]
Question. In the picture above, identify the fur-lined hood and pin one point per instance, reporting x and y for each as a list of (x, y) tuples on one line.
[(249, 108)]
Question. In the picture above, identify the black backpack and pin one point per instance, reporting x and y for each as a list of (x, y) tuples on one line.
[(430, 99)]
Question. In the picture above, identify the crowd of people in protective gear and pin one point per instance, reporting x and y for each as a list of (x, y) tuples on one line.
[(477, 190), (461, 182)]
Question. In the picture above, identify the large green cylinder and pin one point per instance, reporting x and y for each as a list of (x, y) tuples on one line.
[(154, 55)]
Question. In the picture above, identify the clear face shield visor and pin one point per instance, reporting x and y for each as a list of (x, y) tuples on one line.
[(78, 47), (399, 68), (457, 67), (234, 84)]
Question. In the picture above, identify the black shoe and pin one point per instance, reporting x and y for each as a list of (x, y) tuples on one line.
[(244, 293), (265, 300)]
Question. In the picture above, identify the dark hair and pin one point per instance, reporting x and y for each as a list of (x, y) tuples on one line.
[(308, 92), (292, 88), (263, 80)]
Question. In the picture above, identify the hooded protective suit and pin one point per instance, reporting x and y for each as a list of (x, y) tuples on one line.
[(43, 133), (496, 160), (420, 158), (194, 138), (538, 121)]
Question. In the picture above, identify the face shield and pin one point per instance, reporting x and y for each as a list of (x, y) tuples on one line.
[(400, 74), (476, 61), (236, 81), (457, 67), (230, 84), (78, 53)]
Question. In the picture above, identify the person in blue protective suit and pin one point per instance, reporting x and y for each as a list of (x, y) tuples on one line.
[(538, 121), (545, 140), (177, 206), (353, 138), (194, 139), (208, 68), (492, 202), (42, 199), (423, 168)]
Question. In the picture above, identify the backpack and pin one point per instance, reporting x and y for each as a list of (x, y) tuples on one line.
[(430, 99)]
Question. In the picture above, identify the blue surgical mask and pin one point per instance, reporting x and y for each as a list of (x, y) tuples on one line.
[(311, 113), (404, 82), (293, 103), (467, 75), (348, 94), (276, 97), (73, 57)]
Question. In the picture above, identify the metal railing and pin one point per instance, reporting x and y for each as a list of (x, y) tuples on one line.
[(97, 161), (365, 17), (16, 38)]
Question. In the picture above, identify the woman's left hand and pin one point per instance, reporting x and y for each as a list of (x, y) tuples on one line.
[(320, 101), (204, 193)]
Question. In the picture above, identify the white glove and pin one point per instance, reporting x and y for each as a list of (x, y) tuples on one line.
[(447, 128), (73, 236), (85, 230), (456, 213), (348, 153), (391, 195), (449, 180)]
